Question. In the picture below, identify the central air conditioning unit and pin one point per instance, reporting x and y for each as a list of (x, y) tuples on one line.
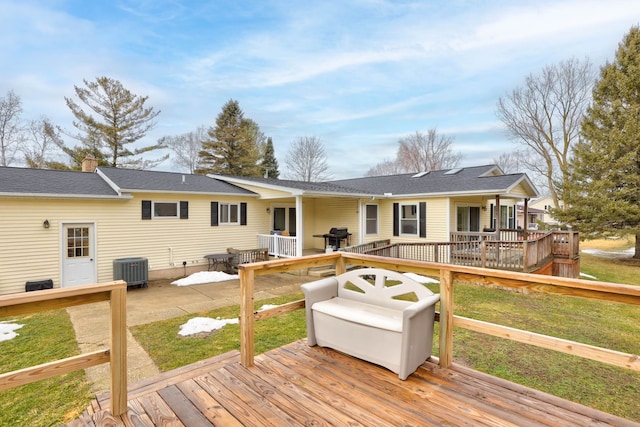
[(134, 271)]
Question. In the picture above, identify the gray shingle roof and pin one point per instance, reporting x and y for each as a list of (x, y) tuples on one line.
[(310, 187), (463, 180), (55, 183), (24, 182), (170, 182)]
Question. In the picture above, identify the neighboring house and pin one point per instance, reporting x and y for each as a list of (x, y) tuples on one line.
[(70, 226), (545, 204), (533, 216)]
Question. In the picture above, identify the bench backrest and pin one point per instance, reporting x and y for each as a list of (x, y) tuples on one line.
[(357, 285), (245, 256)]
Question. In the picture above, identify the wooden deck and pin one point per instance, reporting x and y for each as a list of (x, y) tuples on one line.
[(301, 385)]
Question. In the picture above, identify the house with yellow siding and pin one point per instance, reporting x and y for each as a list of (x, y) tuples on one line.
[(70, 226)]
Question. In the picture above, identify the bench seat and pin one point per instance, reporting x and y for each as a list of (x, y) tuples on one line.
[(362, 313), (359, 313)]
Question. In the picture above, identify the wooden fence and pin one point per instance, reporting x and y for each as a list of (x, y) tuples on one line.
[(52, 299), (448, 274)]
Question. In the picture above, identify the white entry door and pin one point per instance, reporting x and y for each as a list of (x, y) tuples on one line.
[(78, 254)]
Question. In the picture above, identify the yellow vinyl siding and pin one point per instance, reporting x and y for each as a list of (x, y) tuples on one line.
[(265, 193), (334, 212), (31, 252), (437, 221)]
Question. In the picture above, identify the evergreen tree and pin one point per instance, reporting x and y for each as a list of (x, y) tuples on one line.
[(120, 119), (269, 164), (604, 196), (233, 147)]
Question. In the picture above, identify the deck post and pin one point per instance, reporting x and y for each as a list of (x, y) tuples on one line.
[(446, 318), (247, 284), (341, 266), (118, 356)]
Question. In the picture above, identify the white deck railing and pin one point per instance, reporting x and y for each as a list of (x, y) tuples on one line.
[(279, 246)]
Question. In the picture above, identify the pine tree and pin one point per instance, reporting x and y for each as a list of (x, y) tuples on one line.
[(232, 148), (269, 164), (604, 196), (120, 119)]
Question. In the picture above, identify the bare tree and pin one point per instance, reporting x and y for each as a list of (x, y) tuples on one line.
[(545, 115), (512, 161), (186, 148), (306, 160), (420, 152), (11, 131), (386, 167), (42, 142)]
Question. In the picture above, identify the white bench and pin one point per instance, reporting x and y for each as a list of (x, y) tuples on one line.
[(351, 314)]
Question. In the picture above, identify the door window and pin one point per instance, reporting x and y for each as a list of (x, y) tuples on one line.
[(78, 242)]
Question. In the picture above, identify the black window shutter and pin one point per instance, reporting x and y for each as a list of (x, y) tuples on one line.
[(214, 214), (423, 219), (184, 210), (243, 214), (396, 219), (146, 209)]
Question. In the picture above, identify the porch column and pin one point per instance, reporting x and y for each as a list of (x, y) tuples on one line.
[(299, 227), (496, 214), (525, 223)]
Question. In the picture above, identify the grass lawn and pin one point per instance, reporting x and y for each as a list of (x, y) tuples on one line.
[(45, 337)]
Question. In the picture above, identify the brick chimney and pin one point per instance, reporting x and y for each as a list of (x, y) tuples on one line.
[(89, 164)]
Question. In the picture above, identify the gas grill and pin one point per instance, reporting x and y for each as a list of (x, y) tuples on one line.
[(335, 235)]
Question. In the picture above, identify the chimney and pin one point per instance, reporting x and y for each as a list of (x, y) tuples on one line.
[(89, 164)]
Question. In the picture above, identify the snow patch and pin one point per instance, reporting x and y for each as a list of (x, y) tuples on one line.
[(7, 330), (205, 277), (421, 279), (207, 324), (204, 324)]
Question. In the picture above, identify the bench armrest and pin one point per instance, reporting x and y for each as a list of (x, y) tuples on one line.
[(320, 290), (419, 306)]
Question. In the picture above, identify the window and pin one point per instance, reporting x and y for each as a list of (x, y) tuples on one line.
[(152, 209), (165, 209), (229, 213), (507, 218), (77, 242), (409, 219), (371, 219)]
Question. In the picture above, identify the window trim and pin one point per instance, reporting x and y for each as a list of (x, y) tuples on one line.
[(367, 219), (221, 207), (416, 206), (148, 209), (153, 209)]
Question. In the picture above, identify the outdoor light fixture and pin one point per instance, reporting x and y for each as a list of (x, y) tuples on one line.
[(268, 210), (46, 224)]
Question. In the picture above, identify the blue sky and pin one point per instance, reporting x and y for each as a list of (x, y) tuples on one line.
[(358, 74)]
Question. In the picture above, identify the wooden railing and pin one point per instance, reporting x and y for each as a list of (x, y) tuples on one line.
[(279, 246), (51, 299), (482, 250), (448, 274)]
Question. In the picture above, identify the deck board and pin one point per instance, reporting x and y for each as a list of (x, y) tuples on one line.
[(299, 385)]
